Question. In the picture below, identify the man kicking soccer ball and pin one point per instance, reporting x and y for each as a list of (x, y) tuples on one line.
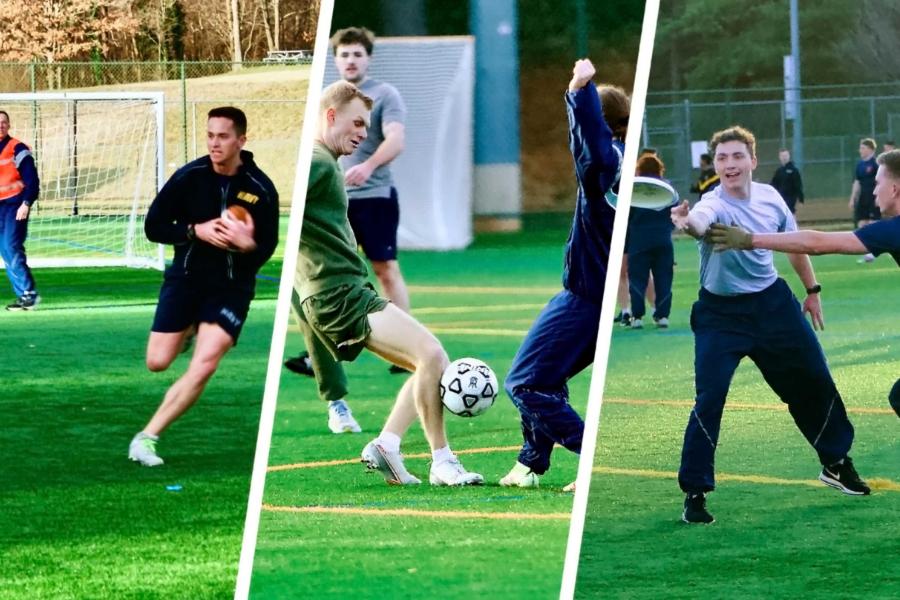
[(346, 315), (745, 309), (209, 285), (562, 341), (876, 238)]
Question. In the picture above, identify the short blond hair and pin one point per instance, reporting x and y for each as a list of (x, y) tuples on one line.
[(735, 133), (339, 94), (891, 163)]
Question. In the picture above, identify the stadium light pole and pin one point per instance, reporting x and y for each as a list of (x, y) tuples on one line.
[(497, 174), (798, 108)]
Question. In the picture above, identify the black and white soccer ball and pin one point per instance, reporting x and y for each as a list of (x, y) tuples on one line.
[(468, 387)]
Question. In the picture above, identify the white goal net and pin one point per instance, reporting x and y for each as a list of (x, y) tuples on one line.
[(99, 157), (435, 76)]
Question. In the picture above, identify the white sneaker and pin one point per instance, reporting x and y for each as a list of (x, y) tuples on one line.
[(451, 472), (521, 476), (340, 418), (142, 449), (662, 323), (867, 258), (570, 488), (637, 324), (389, 464)]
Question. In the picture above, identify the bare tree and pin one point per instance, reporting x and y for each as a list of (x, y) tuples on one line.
[(235, 32)]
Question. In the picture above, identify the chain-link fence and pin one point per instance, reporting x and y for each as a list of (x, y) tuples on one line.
[(834, 120), (273, 96)]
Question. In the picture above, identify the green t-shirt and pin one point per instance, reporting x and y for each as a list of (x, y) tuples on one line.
[(328, 256)]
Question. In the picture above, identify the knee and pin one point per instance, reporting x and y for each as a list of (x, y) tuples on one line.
[(434, 358), (157, 363), (202, 369), (387, 270)]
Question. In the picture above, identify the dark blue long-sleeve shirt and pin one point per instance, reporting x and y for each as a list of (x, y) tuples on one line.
[(598, 163)]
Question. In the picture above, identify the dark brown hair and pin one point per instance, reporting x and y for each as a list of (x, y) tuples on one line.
[(353, 35)]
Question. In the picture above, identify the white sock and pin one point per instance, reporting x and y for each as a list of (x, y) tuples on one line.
[(332, 402), (441, 455), (155, 438), (389, 441)]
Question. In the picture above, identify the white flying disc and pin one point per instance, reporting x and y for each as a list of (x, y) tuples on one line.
[(653, 193)]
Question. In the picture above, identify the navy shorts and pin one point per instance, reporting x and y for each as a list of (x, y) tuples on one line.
[(866, 210), (374, 222), (186, 301)]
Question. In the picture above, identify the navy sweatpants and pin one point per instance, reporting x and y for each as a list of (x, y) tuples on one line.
[(559, 345), (769, 327), (660, 260)]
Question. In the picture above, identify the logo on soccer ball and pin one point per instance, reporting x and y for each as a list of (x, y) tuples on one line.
[(468, 387)]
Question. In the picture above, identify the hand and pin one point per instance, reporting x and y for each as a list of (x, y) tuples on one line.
[(239, 235), (358, 174), (212, 232), (724, 237), (582, 73), (813, 306), (23, 212), (680, 214)]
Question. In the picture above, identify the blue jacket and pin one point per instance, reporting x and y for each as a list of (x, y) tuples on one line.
[(194, 195), (598, 163)]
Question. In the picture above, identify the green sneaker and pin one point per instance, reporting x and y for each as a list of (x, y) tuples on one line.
[(143, 450)]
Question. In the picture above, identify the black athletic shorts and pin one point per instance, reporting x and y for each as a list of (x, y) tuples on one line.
[(185, 301), (866, 210), (374, 222)]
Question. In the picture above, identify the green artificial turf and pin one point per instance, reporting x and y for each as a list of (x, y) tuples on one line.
[(480, 303), (780, 534), (79, 520)]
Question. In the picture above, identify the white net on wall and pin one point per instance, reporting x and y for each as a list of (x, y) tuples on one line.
[(435, 76)]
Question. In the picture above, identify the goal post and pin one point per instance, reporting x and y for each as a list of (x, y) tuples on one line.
[(100, 161)]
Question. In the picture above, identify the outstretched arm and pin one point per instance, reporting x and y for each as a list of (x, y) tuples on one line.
[(590, 138), (690, 222), (800, 242)]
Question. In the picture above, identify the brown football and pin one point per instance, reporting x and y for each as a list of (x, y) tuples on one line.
[(238, 213)]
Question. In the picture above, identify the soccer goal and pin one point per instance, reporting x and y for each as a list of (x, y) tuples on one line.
[(435, 76), (99, 157)]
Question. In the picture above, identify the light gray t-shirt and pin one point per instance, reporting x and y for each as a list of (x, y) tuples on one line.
[(388, 108), (741, 271)]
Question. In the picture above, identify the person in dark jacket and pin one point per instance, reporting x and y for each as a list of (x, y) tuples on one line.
[(708, 179), (787, 181), (218, 251)]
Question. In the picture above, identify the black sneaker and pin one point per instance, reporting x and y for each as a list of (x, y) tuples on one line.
[(844, 477), (695, 509), (395, 370), (301, 365), (626, 319), (25, 302), (618, 317)]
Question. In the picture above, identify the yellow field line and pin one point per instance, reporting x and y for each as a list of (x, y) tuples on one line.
[(439, 310), (465, 289), (878, 484), (517, 333), (863, 410), (410, 512), (353, 461)]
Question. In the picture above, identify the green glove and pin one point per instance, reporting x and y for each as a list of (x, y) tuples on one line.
[(726, 237)]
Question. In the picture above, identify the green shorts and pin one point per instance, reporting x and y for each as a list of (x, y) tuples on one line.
[(340, 317)]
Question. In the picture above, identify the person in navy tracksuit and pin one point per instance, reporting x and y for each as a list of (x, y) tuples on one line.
[(562, 340), (19, 187)]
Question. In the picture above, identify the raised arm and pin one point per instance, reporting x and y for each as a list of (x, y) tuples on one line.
[(802, 242), (597, 160)]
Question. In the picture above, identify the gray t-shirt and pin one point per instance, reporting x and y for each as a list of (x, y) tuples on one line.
[(388, 108), (741, 271)]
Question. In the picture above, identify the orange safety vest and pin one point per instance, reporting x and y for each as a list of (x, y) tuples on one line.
[(11, 184)]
